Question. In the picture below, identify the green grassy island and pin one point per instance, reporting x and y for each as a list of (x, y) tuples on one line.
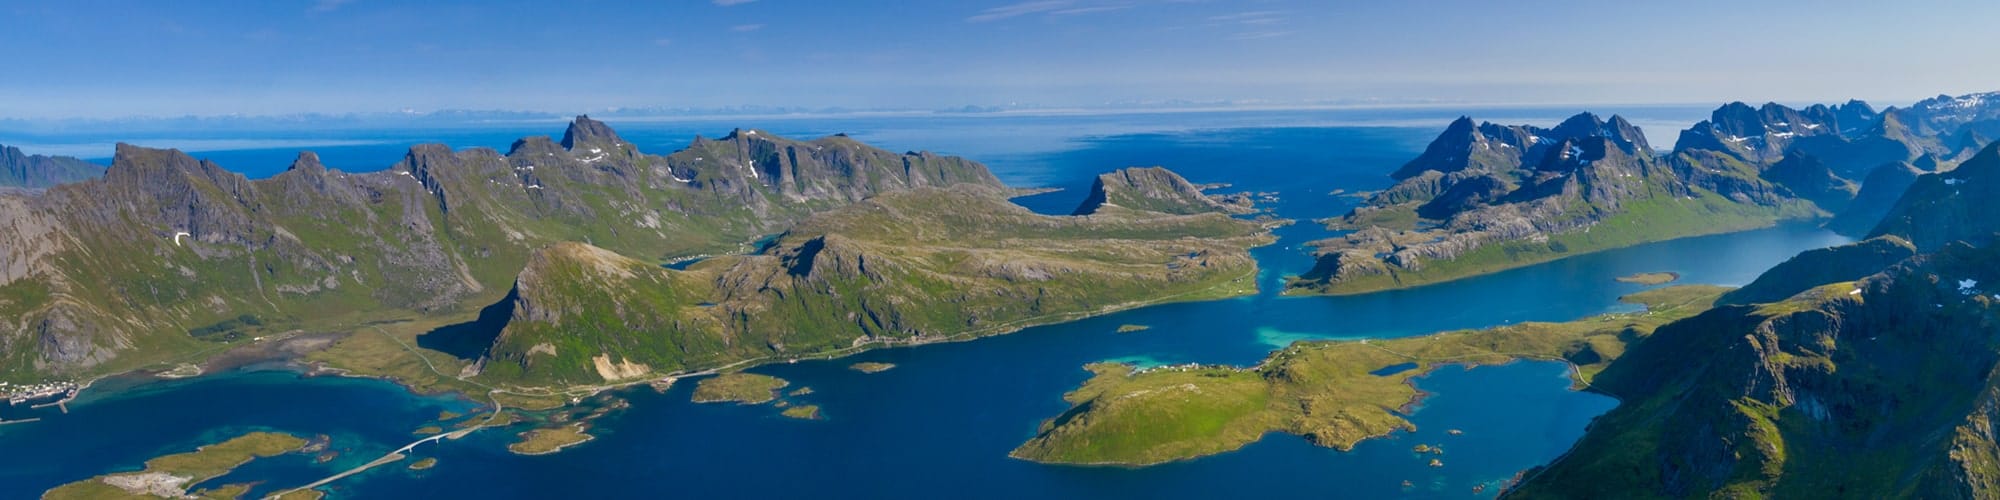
[(171, 476), (549, 440), (1650, 279), (1330, 392), (739, 387), (802, 412), (871, 367)]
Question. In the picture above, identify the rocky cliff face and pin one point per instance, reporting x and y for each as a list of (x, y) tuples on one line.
[(22, 170), (166, 253), (1877, 388), (1151, 189), (914, 266)]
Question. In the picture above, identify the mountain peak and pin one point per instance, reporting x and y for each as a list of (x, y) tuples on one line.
[(307, 161), (584, 130)]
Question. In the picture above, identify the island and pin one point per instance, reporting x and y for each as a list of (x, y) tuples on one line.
[(1129, 328), (738, 387), (171, 476), (802, 412), (1330, 392), (871, 367), (425, 464), (1650, 279), (546, 440)]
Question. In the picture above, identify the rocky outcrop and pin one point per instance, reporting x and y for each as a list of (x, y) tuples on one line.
[(1152, 189), (22, 170)]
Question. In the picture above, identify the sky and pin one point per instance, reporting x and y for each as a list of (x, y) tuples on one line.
[(119, 58)]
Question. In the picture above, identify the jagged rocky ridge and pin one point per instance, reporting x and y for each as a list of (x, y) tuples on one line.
[(22, 170), (1488, 197), (166, 251), (914, 266)]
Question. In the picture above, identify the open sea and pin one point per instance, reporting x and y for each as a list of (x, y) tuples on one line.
[(941, 423)]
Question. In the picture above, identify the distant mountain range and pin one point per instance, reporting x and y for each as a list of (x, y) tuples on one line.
[(1487, 197), (22, 170)]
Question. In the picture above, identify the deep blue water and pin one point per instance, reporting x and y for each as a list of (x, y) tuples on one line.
[(942, 421)]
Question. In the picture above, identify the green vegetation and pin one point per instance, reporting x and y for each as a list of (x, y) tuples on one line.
[(1133, 328), (1650, 279), (1881, 388), (1325, 391), (424, 464), (739, 387), (548, 440), (101, 264), (871, 367), (171, 475), (1659, 217), (802, 412), (912, 267)]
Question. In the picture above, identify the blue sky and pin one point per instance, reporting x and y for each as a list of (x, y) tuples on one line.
[(110, 58)]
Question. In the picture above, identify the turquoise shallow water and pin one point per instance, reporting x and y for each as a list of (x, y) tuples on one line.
[(942, 421)]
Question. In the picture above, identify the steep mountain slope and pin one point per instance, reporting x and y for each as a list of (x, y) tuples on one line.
[(22, 170), (1878, 194), (1601, 189), (167, 254), (1812, 268), (1952, 206), (1882, 387), (1879, 388), (915, 266)]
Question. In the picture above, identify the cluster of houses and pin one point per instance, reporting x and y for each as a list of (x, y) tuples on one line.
[(17, 394)]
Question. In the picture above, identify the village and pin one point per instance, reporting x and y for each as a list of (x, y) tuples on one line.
[(18, 394)]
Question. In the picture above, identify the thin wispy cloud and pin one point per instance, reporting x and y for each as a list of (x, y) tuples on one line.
[(730, 3), (1089, 10), (1259, 35), (328, 5), (1252, 17), (1252, 25), (1020, 9), (746, 28)]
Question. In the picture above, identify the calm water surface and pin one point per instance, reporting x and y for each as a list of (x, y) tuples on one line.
[(942, 421)]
